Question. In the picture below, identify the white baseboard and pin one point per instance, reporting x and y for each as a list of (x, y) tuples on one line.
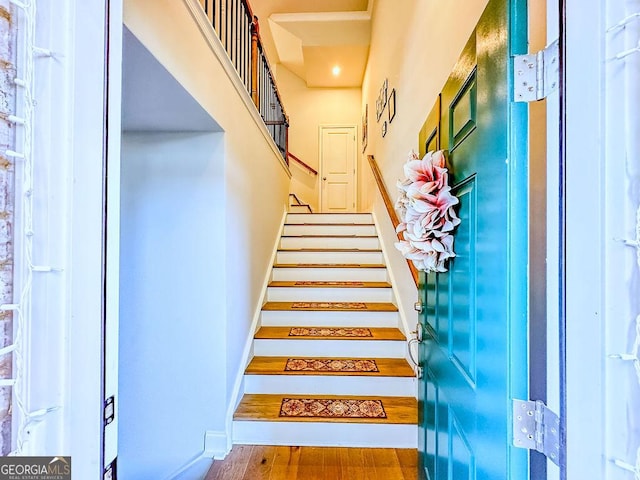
[(393, 276), (247, 353), (197, 467), (216, 444), (392, 273)]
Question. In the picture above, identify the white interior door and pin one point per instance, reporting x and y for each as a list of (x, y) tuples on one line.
[(338, 169)]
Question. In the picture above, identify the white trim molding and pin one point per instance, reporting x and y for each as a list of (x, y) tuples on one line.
[(247, 353)]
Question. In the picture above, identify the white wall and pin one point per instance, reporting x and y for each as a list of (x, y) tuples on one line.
[(256, 179), (308, 108), (173, 295)]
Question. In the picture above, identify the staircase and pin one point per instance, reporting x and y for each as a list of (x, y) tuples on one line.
[(297, 206), (329, 365)]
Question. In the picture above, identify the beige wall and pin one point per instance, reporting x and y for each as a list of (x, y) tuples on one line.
[(308, 108), (414, 45), (415, 52)]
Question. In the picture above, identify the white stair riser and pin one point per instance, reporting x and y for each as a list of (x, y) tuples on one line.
[(331, 385), (325, 434), (329, 230), (330, 274), (363, 243), (333, 348), (298, 209), (329, 257), (288, 318), (344, 218), (311, 294)]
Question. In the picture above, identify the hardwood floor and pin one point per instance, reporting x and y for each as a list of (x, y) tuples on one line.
[(253, 462)]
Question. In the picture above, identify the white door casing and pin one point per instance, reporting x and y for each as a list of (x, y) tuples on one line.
[(338, 169)]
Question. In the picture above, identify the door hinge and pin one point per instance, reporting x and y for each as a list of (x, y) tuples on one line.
[(111, 471), (109, 410), (536, 74), (536, 427)]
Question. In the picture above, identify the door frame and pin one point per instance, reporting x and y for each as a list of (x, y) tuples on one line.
[(583, 307), (111, 224), (321, 129)]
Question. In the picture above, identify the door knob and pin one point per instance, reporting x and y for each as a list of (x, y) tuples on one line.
[(419, 332), (324, 178)]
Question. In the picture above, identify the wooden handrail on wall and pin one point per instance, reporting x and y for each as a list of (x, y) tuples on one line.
[(390, 210), (296, 159)]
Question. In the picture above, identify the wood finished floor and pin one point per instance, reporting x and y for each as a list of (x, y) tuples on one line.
[(253, 462)]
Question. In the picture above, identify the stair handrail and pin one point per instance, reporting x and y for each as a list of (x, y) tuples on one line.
[(300, 204), (296, 159), (377, 175), (239, 32)]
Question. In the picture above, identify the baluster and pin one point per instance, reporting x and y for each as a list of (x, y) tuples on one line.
[(239, 32), (254, 62)]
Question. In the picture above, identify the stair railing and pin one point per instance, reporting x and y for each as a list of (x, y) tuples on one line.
[(239, 31), (390, 210), (302, 164)]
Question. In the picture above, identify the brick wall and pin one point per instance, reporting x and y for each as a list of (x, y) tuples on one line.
[(7, 107)]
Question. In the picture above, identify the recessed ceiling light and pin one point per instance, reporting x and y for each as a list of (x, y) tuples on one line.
[(336, 70)]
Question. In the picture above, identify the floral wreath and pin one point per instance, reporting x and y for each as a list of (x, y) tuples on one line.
[(426, 211)]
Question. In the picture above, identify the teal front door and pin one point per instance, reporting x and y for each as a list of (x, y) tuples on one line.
[(474, 322)]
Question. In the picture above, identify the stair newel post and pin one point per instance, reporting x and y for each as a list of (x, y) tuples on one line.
[(255, 35)]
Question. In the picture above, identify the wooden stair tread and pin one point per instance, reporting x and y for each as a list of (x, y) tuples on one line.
[(285, 333), (328, 284), (352, 235), (330, 250), (387, 367), (332, 307), (327, 224), (329, 265), (259, 407)]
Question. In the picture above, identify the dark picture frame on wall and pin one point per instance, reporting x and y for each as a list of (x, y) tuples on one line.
[(365, 127), (381, 101), (392, 105)]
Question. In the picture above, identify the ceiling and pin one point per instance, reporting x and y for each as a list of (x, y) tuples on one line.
[(311, 37)]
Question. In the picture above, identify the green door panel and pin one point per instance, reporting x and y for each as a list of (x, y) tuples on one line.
[(475, 315)]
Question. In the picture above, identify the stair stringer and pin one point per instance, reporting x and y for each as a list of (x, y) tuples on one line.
[(247, 353), (403, 302)]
